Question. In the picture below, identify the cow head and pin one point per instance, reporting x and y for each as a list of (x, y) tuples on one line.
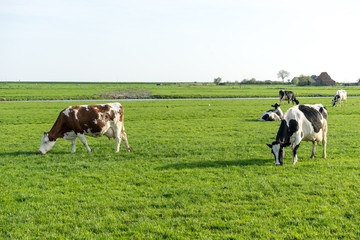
[(275, 105), (335, 100), (278, 150), (46, 143)]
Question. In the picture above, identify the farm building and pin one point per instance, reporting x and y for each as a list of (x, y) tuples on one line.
[(324, 79)]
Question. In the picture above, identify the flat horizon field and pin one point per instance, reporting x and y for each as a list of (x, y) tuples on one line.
[(17, 91), (199, 169)]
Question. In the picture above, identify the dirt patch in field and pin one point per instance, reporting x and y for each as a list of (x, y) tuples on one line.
[(127, 94)]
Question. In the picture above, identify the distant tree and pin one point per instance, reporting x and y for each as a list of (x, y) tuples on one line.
[(295, 81), (283, 74), (244, 81), (217, 80), (305, 81), (268, 82)]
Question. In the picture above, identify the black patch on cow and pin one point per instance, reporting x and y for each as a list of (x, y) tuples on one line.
[(323, 112), (293, 127), (313, 116), (295, 150), (266, 117), (283, 133), (281, 155)]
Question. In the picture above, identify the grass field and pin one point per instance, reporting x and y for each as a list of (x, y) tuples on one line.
[(80, 91), (199, 169)]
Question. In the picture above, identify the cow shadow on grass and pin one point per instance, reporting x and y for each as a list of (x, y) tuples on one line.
[(28, 153), (253, 120), (4, 154), (216, 164)]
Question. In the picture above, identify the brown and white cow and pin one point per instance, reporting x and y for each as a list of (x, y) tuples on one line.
[(91, 120)]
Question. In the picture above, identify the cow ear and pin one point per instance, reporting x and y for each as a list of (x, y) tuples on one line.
[(269, 145)]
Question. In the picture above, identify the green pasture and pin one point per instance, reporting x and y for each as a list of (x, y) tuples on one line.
[(81, 91), (199, 169)]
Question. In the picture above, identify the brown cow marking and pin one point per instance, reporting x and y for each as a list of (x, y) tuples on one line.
[(87, 119)]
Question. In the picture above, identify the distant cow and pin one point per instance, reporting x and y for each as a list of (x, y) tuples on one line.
[(289, 96), (272, 114), (91, 120), (300, 123), (340, 96)]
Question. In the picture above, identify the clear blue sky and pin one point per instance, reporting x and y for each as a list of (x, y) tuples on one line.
[(178, 40)]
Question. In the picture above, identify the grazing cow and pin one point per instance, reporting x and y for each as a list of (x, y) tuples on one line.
[(272, 114), (340, 97), (289, 96), (91, 120), (300, 123)]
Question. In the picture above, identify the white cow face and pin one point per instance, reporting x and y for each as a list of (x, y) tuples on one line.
[(46, 144), (279, 152)]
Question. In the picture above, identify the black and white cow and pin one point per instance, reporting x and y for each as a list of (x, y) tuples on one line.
[(340, 96), (272, 114), (289, 96), (300, 123)]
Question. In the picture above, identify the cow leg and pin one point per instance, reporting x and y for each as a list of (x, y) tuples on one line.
[(118, 142), (73, 150), (313, 150), (124, 137), (295, 158), (117, 130), (120, 135), (324, 145), (83, 140)]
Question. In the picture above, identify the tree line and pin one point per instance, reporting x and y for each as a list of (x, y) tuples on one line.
[(302, 80), (299, 81)]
